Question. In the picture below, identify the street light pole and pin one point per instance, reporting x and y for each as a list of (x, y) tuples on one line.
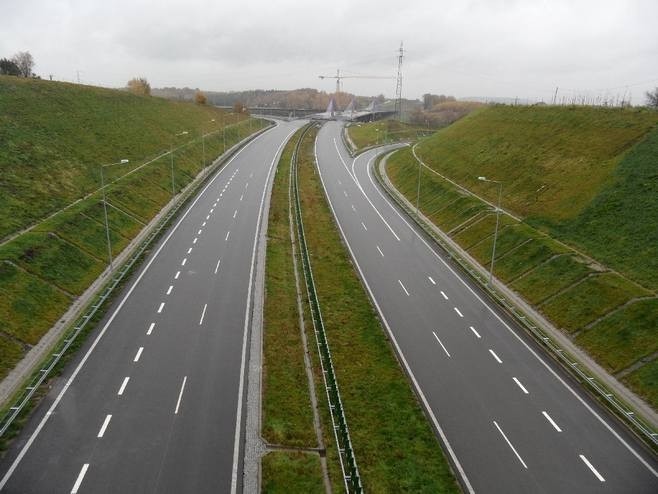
[(493, 252), (173, 183), (107, 225), (418, 189)]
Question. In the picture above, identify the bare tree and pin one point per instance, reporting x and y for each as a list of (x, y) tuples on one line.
[(139, 86), (652, 98), (24, 62)]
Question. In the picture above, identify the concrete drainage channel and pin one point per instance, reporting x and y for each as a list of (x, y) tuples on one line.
[(348, 464), (642, 429), (49, 363)]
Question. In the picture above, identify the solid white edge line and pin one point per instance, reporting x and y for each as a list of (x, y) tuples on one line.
[(106, 422), (403, 287), (203, 314), (441, 343), (591, 467), (507, 326), (552, 422), (138, 354), (81, 476), (495, 356), (518, 383), (50, 411), (475, 332), (238, 417), (428, 408), (123, 385), (180, 395), (458, 312), (510, 445)]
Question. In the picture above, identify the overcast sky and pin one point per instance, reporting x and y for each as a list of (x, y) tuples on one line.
[(489, 48)]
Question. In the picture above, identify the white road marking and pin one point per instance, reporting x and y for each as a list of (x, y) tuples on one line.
[(345, 192), (405, 290), (510, 444), (81, 476), (180, 395), (251, 175), (195, 239), (123, 386), (171, 287), (207, 217), (475, 332), (235, 214), (203, 314), (106, 422), (184, 261), (217, 266), (189, 251), (520, 385), (431, 280), (246, 185), (380, 251), (227, 234), (162, 304), (199, 232), (457, 311), (441, 343), (339, 182), (353, 208), (150, 330), (212, 210), (591, 467), (203, 224), (495, 356), (241, 196), (364, 226), (548, 417), (138, 354), (444, 295), (177, 275)]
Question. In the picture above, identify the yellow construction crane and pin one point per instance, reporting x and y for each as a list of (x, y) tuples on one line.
[(339, 77)]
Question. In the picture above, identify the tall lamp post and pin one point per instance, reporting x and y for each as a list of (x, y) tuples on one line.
[(493, 253), (203, 146), (173, 183), (107, 225)]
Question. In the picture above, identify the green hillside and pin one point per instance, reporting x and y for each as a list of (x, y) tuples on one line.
[(53, 138), (583, 183)]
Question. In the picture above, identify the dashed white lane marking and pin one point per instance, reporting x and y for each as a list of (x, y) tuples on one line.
[(246, 185), (195, 240), (458, 312), (150, 330), (380, 251), (180, 395), (353, 208), (345, 192), (441, 343), (251, 175), (444, 295), (203, 224), (189, 251), (552, 422), (235, 214), (183, 262), (162, 304), (518, 383), (339, 182), (227, 234), (207, 217), (199, 232), (405, 290), (495, 356), (591, 467), (123, 386), (81, 476), (212, 210), (138, 354), (177, 275), (510, 445), (106, 422), (431, 280), (475, 332), (203, 314), (364, 226), (171, 287), (217, 266), (241, 197)]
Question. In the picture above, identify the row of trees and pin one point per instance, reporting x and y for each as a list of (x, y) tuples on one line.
[(21, 65)]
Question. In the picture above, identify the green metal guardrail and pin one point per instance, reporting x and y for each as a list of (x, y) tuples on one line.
[(348, 464)]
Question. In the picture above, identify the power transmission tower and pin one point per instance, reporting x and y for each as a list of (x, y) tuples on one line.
[(398, 88)]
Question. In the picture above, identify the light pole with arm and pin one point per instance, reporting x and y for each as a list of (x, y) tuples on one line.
[(493, 253), (107, 225), (173, 183)]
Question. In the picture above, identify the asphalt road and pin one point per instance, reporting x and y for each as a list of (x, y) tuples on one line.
[(511, 421), (153, 403)]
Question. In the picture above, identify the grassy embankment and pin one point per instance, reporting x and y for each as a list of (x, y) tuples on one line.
[(54, 138), (395, 447), (364, 135), (582, 176)]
